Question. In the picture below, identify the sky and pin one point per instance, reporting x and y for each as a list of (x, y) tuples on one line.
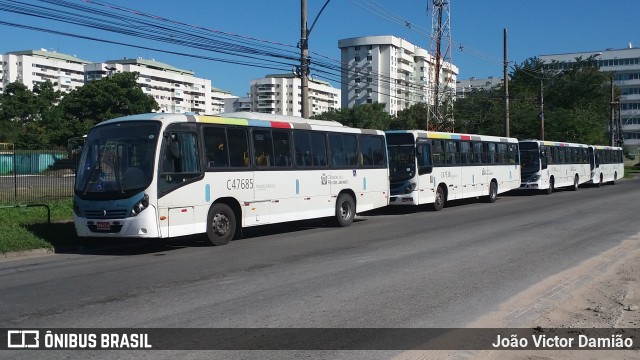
[(533, 28)]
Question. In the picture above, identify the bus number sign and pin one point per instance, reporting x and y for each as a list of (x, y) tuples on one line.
[(239, 184)]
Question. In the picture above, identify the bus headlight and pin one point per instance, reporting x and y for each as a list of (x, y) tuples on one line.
[(140, 205), (410, 187)]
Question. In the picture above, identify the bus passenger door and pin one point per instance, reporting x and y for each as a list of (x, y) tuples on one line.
[(425, 168), (178, 174)]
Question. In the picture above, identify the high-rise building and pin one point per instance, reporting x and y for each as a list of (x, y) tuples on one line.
[(219, 99), (624, 66), (175, 90), (31, 67), (281, 94), (473, 84), (390, 70)]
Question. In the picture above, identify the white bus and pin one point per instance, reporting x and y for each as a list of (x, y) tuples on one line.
[(607, 164), (433, 167), (547, 165), (167, 175)]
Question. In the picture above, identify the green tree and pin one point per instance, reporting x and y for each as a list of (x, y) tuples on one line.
[(576, 103), (29, 116), (96, 101), (415, 117), (17, 109), (366, 116)]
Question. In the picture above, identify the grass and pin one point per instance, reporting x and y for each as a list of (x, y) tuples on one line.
[(27, 228), (631, 171)]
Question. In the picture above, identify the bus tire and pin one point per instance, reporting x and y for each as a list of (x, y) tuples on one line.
[(549, 190), (576, 183), (600, 182), (345, 210), (221, 224), (615, 177), (438, 202), (493, 193)]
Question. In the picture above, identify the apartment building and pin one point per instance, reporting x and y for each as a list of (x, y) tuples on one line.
[(473, 84), (237, 104), (31, 67), (219, 99), (281, 94), (175, 90), (624, 65), (390, 70)]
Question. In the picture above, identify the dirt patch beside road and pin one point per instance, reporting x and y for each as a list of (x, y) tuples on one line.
[(602, 292)]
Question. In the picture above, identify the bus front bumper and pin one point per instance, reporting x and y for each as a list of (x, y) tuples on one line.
[(406, 199), (144, 225)]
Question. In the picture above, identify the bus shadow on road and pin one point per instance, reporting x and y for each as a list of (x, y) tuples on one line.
[(63, 238)]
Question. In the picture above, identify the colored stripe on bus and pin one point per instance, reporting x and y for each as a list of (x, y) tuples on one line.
[(280, 125), (207, 193), (439, 136)]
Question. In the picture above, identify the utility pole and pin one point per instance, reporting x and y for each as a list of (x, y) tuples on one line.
[(541, 110), (305, 104), (304, 60), (613, 114), (506, 86)]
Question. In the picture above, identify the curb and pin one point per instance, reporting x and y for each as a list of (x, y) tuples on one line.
[(17, 255)]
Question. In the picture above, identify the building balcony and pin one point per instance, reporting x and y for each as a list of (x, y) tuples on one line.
[(627, 82), (632, 97), (629, 113)]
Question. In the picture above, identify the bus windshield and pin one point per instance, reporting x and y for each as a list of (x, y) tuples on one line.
[(530, 161), (117, 159), (402, 162)]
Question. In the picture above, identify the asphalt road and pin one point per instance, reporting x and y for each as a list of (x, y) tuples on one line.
[(394, 267)]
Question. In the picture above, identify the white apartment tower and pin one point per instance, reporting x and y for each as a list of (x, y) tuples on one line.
[(389, 70), (281, 94), (218, 100), (31, 67), (624, 66), (175, 90)]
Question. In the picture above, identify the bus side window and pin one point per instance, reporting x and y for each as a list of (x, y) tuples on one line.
[(181, 160), (215, 144), (544, 156), (263, 147), (423, 154), (238, 147)]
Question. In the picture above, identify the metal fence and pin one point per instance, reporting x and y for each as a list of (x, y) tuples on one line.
[(35, 176)]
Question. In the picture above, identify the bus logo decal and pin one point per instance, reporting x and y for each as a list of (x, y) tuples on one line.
[(323, 179), (297, 187)]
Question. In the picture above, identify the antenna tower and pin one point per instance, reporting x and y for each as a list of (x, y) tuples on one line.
[(440, 89)]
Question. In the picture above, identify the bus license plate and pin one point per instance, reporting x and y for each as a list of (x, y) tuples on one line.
[(102, 225)]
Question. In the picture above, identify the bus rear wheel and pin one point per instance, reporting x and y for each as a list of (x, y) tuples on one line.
[(493, 193), (221, 224), (345, 210), (576, 183), (438, 202)]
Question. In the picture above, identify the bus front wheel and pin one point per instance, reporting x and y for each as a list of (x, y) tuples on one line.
[(576, 183), (345, 210), (221, 224), (550, 188)]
